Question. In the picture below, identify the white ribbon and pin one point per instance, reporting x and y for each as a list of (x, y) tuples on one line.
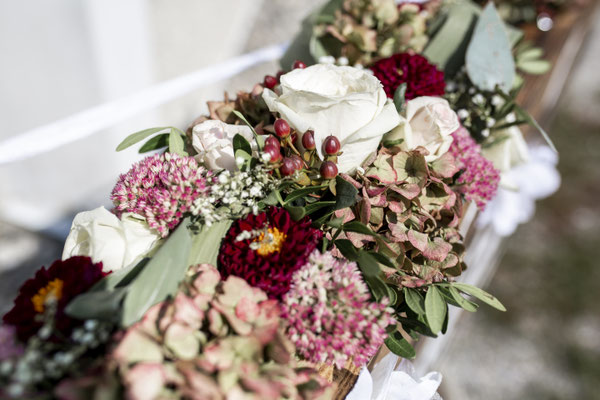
[(386, 382), (95, 119)]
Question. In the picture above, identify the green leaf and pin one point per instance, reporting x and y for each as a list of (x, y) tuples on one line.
[(336, 223), (311, 208), (296, 212), (176, 144), (358, 227), (241, 117), (103, 305), (399, 98), (534, 67), (368, 264), (460, 301), (414, 300), (479, 294), (302, 192), (207, 242), (161, 276), (392, 143), (400, 346), (378, 287), (435, 309), (383, 259), (155, 143), (489, 58), (138, 137), (347, 249), (346, 193), (527, 117), (240, 143)]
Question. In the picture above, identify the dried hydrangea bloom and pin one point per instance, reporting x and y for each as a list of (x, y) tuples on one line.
[(161, 188), (421, 77), (330, 315), (479, 179), (215, 340)]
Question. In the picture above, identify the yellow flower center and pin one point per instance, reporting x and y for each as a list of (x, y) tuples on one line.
[(52, 290), (270, 242)]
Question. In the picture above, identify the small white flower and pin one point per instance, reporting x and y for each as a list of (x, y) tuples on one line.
[(485, 132), (462, 114)]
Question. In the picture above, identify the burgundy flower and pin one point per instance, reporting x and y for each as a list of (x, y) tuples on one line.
[(266, 249), (63, 281), (421, 77)]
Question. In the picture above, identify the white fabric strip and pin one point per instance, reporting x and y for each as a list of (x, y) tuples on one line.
[(49, 137)]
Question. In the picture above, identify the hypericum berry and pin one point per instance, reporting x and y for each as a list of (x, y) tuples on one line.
[(308, 140), (274, 152), (270, 81), (272, 141), (282, 128), (298, 64), (298, 164), (294, 137), (288, 167), (278, 76), (331, 145), (328, 170)]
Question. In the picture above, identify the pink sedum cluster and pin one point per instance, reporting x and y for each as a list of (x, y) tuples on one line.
[(330, 313), (161, 188), (479, 179)]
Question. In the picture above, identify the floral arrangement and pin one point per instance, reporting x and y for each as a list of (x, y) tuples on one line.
[(305, 225)]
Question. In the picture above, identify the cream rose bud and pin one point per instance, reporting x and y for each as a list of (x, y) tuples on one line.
[(346, 102), (429, 123), (213, 140), (102, 236)]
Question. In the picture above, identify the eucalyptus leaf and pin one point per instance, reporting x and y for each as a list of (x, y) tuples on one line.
[(534, 67), (479, 294), (138, 137), (311, 208), (161, 276), (489, 60), (435, 309), (400, 346)]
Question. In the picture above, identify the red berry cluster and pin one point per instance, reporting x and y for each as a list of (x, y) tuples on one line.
[(288, 160), (271, 81), (284, 139)]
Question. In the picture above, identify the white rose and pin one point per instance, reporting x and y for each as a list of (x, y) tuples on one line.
[(213, 140), (508, 152), (346, 102), (429, 123), (102, 236)]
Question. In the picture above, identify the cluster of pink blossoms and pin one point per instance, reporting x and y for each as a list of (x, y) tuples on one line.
[(479, 179), (161, 188), (330, 314)]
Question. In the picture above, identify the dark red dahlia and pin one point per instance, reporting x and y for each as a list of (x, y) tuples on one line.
[(63, 281), (421, 77), (266, 249)]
